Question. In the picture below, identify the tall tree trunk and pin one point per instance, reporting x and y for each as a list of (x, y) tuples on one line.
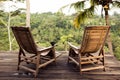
[(9, 37), (109, 42), (28, 13)]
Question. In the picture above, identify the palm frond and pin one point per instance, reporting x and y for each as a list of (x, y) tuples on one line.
[(17, 12), (83, 16), (63, 7), (116, 4), (1, 13), (78, 5), (94, 2)]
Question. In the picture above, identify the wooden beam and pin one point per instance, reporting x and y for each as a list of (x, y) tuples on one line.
[(94, 57), (87, 62), (46, 63), (26, 68), (73, 60), (92, 68)]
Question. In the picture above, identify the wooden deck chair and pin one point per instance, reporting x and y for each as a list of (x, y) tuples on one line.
[(29, 52), (91, 50)]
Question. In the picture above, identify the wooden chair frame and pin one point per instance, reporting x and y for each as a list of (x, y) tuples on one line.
[(93, 41), (29, 52)]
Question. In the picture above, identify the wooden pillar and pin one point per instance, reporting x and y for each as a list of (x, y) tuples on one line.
[(28, 13)]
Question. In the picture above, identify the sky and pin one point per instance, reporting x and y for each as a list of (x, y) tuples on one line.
[(54, 5), (48, 5), (40, 6)]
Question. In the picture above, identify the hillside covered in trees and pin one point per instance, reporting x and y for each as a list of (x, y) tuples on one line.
[(48, 27)]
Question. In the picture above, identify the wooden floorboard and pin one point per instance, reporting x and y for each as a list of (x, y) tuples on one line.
[(60, 71)]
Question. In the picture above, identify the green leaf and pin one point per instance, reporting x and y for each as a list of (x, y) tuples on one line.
[(83, 15), (116, 4), (78, 5)]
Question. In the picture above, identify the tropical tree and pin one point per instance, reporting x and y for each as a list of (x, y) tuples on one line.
[(27, 11), (83, 13), (11, 14)]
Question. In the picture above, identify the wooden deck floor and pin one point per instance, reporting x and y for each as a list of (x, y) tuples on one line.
[(61, 71)]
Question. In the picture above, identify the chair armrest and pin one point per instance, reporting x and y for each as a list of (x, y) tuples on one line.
[(73, 47), (45, 49)]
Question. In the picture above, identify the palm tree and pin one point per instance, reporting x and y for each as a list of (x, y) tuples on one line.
[(83, 13)]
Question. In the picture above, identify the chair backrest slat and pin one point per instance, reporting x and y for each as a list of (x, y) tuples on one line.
[(24, 39), (94, 38)]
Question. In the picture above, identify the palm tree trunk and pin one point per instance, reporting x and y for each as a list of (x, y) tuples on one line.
[(109, 42), (28, 13)]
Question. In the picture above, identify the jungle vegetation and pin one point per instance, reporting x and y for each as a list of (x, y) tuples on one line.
[(57, 27)]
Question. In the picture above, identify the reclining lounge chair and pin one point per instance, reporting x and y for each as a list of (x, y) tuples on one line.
[(91, 50), (30, 53)]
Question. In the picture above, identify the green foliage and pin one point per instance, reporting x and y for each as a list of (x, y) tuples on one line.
[(3, 39), (83, 12), (48, 27), (117, 52), (82, 16)]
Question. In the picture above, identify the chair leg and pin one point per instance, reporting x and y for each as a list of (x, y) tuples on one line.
[(103, 60), (18, 68), (80, 72), (80, 66), (70, 51), (55, 61), (54, 56), (18, 64), (68, 60), (80, 69), (104, 64), (36, 73), (104, 69), (19, 58), (37, 65), (37, 69)]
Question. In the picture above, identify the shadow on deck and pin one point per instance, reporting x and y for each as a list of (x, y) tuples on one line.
[(61, 71)]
